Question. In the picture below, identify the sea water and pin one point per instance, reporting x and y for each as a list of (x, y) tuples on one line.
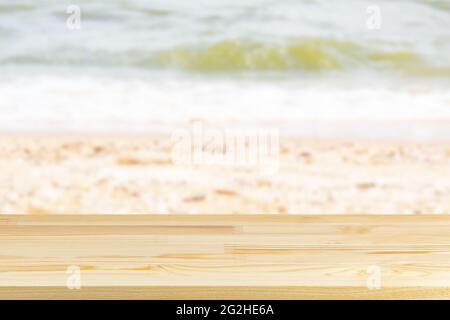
[(316, 67)]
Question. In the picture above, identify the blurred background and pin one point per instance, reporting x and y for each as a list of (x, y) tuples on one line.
[(316, 67)]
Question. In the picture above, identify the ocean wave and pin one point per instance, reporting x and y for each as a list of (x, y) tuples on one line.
[(234, 55), (313, 54), (68, 100), (226, 36)]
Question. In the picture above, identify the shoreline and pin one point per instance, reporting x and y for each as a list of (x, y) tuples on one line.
[(409, 131)]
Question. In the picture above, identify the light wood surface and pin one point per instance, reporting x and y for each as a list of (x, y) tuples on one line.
[(228, 257)]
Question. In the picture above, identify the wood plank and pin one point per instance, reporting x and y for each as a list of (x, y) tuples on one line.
[(225, 256)]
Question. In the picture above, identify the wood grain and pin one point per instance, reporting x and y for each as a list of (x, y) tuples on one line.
[(228, 257)]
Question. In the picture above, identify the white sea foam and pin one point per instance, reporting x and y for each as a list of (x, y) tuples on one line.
[(149, 102)]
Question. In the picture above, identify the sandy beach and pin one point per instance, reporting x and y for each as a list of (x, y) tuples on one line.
[(135, 174)]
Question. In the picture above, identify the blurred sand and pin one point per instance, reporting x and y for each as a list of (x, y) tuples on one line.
[(118, 174)]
